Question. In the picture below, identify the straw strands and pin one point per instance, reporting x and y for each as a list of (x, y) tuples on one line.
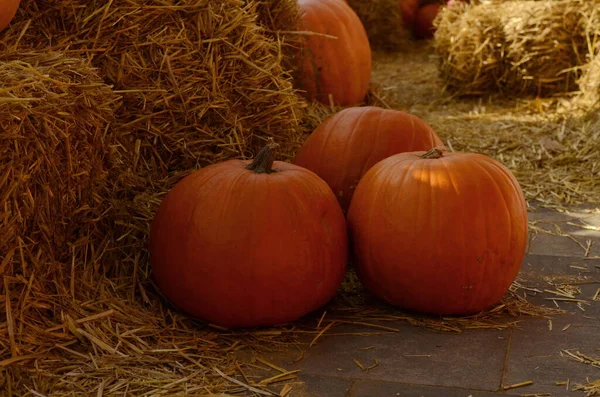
[(54, 147), (516, 47)]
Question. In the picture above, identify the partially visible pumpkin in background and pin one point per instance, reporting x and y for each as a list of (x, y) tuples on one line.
[(243, 244), (347, 144), (424, 28), (409, 10), (440, 233), (336, 57), (8, 9)]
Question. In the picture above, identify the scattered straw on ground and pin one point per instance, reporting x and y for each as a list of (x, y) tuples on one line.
[(518, 48), (592, 388), (383, 22), (355, 306)]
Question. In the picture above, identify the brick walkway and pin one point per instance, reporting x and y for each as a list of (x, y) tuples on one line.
[(418, 362)]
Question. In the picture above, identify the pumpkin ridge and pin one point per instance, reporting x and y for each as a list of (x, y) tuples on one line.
[(462, 215), (505, 201), (368, 163), (348, 154), (489, 219)]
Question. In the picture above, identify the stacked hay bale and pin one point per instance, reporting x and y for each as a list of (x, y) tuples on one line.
[(54, 147), (515, 47)]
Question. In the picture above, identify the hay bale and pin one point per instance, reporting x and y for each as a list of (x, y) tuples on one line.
[(515, 47), (199, 78), (383, 23), (53, 149)]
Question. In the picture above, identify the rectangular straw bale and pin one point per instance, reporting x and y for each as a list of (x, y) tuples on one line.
[(516, 47), (54, 116)]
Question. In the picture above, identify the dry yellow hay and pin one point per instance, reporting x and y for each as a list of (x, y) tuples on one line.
[(54, 148), (515, 47), (589, 83), (383, 22)]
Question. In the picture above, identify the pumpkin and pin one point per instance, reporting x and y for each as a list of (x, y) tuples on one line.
[(409, 10), (347, 144), (249, 243), (336, 59), (441, 233), (8, 9), (424, 28)]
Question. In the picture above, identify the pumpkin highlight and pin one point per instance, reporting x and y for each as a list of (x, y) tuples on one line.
[(443, 235), (243, 244), (347, 144)]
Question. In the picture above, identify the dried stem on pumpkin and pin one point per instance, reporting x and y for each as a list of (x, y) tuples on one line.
[(263, 161), (434, 153)]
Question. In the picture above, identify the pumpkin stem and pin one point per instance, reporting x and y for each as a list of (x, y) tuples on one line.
[(434, 153), (263, 161)]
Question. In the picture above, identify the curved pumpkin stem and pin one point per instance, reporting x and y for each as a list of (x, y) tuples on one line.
[(434, 153), (263, 161)]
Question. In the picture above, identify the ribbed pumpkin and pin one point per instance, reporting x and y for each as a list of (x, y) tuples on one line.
[(347, 144), (336, 58), (8, 9), (441, 233), (243, 243)]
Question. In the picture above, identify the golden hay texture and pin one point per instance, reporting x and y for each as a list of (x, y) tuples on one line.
[(383, 22), (589, 83), (54, 149), (199, 78), (515, 47)]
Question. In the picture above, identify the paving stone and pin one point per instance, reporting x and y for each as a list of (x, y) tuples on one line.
[(319, 386), (415, 355), (545, 272), (534, 352), (578, 224), (393, 389), (535, 355)]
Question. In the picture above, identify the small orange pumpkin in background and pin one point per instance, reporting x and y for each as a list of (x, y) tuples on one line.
[(424, 28), (347, 144), (409, 10), (243, 244), (336, 59), (8, 9), (441, 233)]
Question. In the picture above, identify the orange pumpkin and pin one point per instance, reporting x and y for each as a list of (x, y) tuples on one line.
[(8, 9), (409, 10), (243, 243), (442, 233), (336, 57), (424, 28), (347, 144)]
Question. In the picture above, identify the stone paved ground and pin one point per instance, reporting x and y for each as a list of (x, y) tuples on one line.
[(417, 362)]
